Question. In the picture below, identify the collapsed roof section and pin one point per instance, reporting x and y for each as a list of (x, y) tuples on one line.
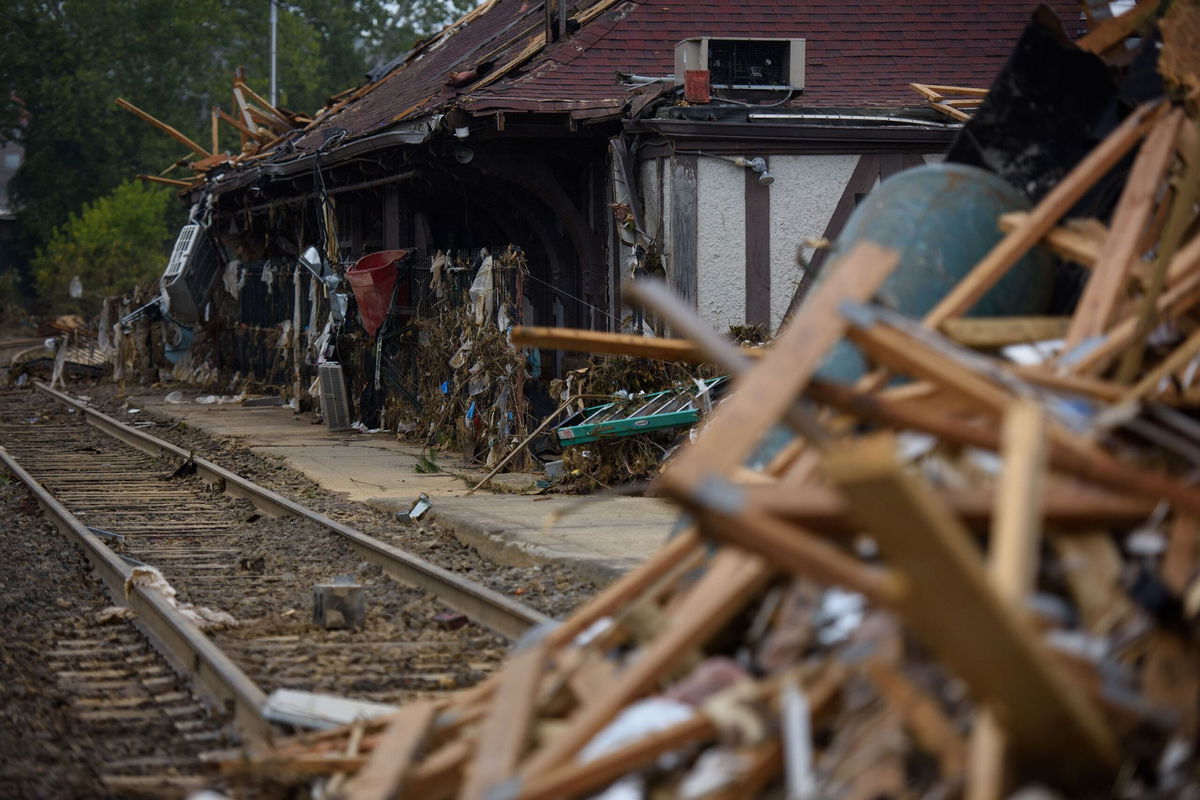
[(596, 58)]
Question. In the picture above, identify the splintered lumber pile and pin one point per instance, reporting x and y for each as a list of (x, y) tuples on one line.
[(963, 577), (956, 102), (260, 126)]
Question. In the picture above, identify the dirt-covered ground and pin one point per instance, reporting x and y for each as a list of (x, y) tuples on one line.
[(551, 589), (53, 744)]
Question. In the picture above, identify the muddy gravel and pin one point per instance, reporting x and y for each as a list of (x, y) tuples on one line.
[(552, 589), (78, 696), (223, 556)]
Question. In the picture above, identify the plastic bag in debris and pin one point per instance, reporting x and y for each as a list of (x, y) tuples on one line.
[(437, 270), (479, 381), (631, 787), (268, 277), (715, 769), (174, 398), (839, 615), (207, 619), (285, 335), (637, 721), (233, 279), (460, 356), (150, 578), (483, 291)]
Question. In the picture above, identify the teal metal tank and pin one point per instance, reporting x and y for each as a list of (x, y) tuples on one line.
[(942, 220)]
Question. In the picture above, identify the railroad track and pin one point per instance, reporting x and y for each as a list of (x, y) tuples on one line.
[(226, 544)]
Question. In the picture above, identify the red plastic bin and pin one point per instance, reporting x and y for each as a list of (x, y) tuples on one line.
[(372, 278)]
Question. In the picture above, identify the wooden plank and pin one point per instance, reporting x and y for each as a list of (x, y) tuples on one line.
[(1179, 219), (1183, 553), (1012, 568), (922, 715), (1178, 358), (1040, 376), (1183, 277), (973, 91), (162, 126), (758, 251), (628, 587), (1092, 566), (682, 263), (574, 779), (505, 733), (1106, 284), (239, 127), (215, 122), (167, 181), (622, 344), (240, 101), (1017, 516), (992, 332), (771, 388), (1070, 451), (797, 551), (1112, 32), (732, 579), (1066, 506), (952, 608), (1044, 217), (385, 772), (268, 110), (1078, 240)]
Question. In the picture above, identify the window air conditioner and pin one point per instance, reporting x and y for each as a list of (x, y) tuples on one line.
[(191, 273), (772, 64)]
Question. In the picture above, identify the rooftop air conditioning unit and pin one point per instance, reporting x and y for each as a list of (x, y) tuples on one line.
[(191, 273), (335, 405), (773, 64)]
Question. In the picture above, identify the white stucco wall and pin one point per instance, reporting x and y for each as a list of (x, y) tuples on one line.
[(720, 242), (805, 193), (803, 197)]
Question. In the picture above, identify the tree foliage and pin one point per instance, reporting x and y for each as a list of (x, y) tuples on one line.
[(112, 245), (64, 62)]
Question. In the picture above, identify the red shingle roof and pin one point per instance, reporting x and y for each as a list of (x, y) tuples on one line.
[(858, 54)]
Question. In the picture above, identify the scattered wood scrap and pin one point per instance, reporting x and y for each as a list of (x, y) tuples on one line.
[(982, 580), (956, 102), (260, 126)]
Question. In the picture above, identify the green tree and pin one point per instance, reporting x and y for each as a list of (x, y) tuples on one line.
[(64, 61), (116, 242)]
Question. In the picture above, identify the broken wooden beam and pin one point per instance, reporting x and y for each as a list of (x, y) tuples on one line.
[(1009, 250), (951, 607), (618, 344), (162, 126), (1139, 198), (765, 394)]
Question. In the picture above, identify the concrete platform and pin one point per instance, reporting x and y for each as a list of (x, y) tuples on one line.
[(599, 537)]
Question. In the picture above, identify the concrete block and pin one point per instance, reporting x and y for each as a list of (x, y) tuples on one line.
[(339, 605)]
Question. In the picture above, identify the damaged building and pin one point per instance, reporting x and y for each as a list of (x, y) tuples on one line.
[(710, 143)]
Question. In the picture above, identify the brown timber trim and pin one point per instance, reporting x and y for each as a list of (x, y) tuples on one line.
[(866, 172), (391, 218), (870, 167), (758, 251), (682, 264)]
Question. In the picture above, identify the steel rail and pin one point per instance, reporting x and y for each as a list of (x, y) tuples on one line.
[(485, 606), (189, 651)]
